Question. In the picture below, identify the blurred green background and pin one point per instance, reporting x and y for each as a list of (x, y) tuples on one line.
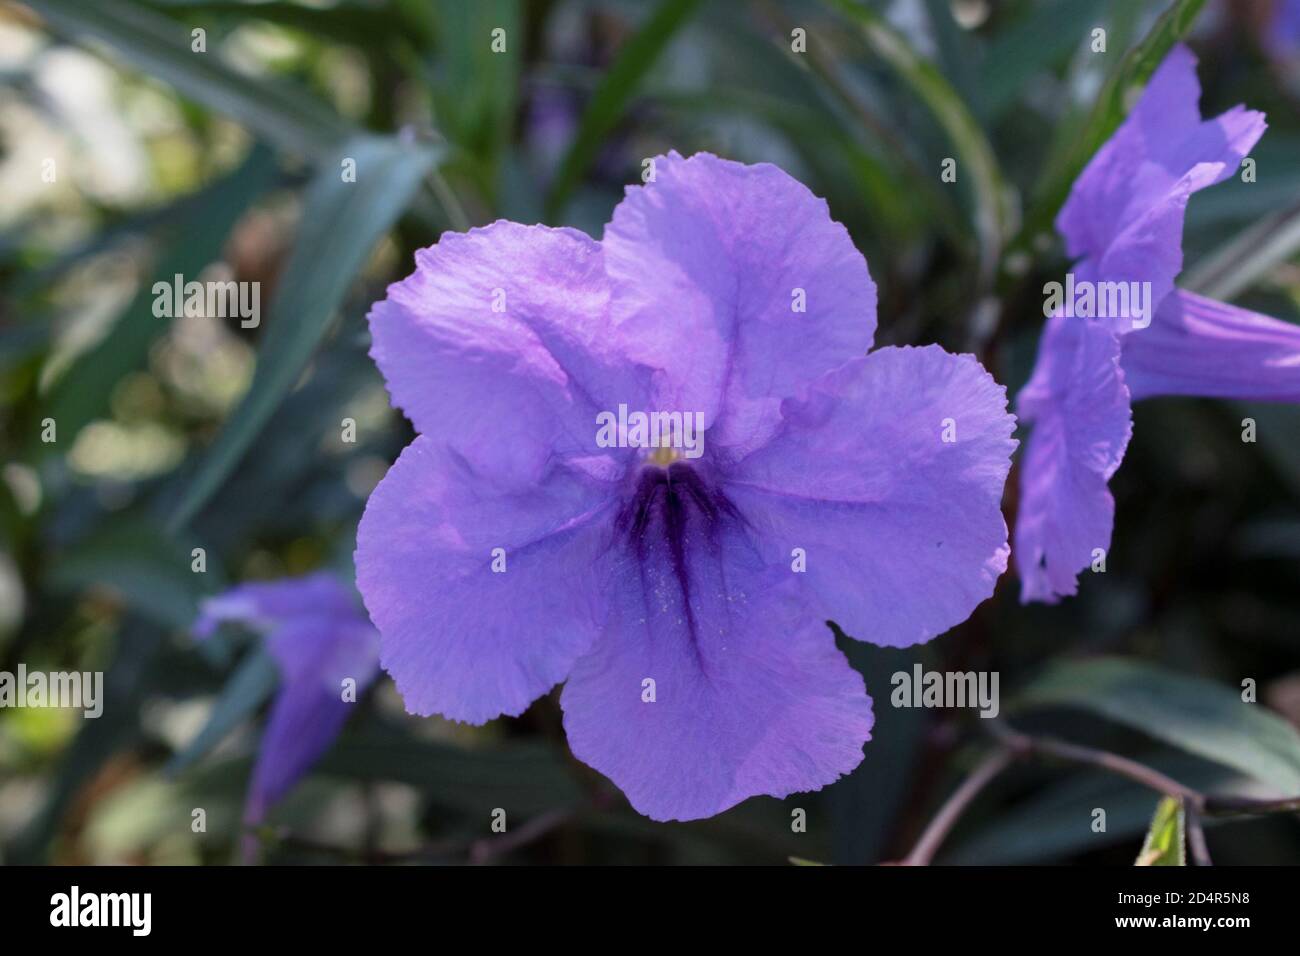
[(175, 434)]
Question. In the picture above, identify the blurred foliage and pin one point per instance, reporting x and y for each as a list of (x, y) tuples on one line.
[(176, 434)]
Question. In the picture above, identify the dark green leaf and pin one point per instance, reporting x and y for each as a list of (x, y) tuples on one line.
[(1111, 108), (1246, 257), (1044, 36), (612, 96), (191, 240), (135, 561), (245, 691), (519, 778), (160, 46), (341, 223), (1197, 715), (978, 163), (1057, 820)]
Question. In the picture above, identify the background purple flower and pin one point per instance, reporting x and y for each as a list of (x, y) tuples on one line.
[(1124, 222), (318, 637), (1282, 30), (622, 569)]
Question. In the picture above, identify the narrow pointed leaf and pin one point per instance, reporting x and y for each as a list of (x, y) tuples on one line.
[(1111, 108), (341, 223), (977, 163), (1199, 716), (281, 114), (245, 691), (613, 94), (1166, 840)]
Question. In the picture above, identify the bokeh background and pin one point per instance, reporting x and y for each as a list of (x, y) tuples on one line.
[(174, 434)]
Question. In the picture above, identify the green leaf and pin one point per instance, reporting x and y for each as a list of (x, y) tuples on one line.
[(475, 88), (245, 691), (611, 97), (1254, 252), (1057, 820), (156, 44), (354, 24), (1111, 108), (117, 730), (1196, 715), (1166, 842), (978, 163), (1047, 34), (955, 47), (136, 561), (522, 778), (191, 239), (341, 223)]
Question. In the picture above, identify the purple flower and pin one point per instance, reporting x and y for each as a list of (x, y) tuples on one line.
[(1281, 34), (1123, 222), (679, 588), (319, 638)]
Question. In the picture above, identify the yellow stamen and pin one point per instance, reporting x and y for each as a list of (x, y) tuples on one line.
[(663, 456)]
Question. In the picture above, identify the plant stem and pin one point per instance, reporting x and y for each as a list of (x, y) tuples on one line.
[(955, 806), (1026, 746), (1196, 836), (1014, 745)]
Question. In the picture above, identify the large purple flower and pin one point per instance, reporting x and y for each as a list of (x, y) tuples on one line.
[(1123, 222), (680, 588), (319, 639)]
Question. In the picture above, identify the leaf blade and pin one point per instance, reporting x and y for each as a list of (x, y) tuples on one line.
[(613, 93), (341, 223), (1166, 839), (283, 115), (1111, 108), (992, 215), (1196, 715)]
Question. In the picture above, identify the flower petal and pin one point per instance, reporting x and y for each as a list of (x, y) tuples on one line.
[(750, 694), (459, 638), (1125, 211), (1281, 33), (1079, 404), (1197, 346), (267, 605), (318, 637), (889, 477), (499, 345), (709, 263), (305, 719)]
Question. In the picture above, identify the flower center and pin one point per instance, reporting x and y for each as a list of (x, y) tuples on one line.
[(673, 523), (663, 456)]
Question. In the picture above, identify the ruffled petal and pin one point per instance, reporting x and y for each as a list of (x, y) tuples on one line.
[(889, 480), (1197, 346), (1125, 211), (712, 682), (499, 345), (460, 638), (709, 264), (1079, 405)]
